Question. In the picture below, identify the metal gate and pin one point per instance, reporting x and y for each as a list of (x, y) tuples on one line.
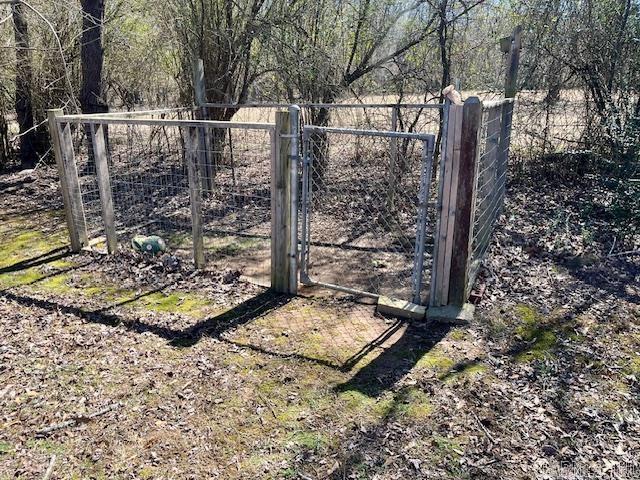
[(365, 211)]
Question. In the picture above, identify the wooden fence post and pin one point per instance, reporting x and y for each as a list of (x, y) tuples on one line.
[(104, 185), (455, 252), (205, 142), (62, 141), (463, 229), (193, 170), (54, 132), (512, 45), (281, 218), (198, 82), (449, 165)]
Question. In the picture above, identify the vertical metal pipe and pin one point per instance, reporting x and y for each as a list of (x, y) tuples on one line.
[(294, 120), (423, 202), (304, 246)]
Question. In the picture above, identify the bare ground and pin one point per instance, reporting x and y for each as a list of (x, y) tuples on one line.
[(112, 367)]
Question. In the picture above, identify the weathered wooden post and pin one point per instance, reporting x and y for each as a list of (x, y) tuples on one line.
[(449, 165), (198, 82), (205, 141), (510, 45), (62, 142), (458, 232), (104, 185), (193, 171), (282, 278)]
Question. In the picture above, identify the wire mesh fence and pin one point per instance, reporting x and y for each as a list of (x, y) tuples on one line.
[(151, 192), (546, 125), (490, 179), (372, 201), (365, 208)]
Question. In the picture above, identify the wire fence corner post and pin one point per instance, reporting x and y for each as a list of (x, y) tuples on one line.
[(281, 195), (70, 183), (446, 211), (54, 133)]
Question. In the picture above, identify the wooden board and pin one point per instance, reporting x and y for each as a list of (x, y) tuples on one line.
[(465, 200), (104, 185)]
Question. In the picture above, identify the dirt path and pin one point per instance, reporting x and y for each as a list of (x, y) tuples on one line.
[(111, 367)]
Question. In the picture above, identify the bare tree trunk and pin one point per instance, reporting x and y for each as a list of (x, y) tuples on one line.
[(24, 101), (445, 80), (92, 58)]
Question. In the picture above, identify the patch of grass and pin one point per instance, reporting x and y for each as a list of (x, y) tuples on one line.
[(541, 338), (229, 246), (176, 302), (413, 403), (45, 445), (310, 441), (457, 334), (435, 360), (448, 446), (6, 448), (361, 404)]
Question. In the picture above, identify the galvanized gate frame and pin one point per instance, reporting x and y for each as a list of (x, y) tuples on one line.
[(421, 214)]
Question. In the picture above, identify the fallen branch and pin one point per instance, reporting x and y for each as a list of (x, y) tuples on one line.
[(49, 471), (624, 254), (484, 429), (75, 420)]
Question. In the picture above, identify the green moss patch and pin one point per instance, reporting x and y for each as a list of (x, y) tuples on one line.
[(230, 246), (465, 371), (435, 360), (175, 302), (361, 404), (413, 403), (310, 441), (22, 277), (541, 339), (542, 343), (26, 245), (457, 334), (633, 368), (6, 448)]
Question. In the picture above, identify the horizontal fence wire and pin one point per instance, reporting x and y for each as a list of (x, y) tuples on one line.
[(387, 117), (490, 180), (362, 211), (545, 125)]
